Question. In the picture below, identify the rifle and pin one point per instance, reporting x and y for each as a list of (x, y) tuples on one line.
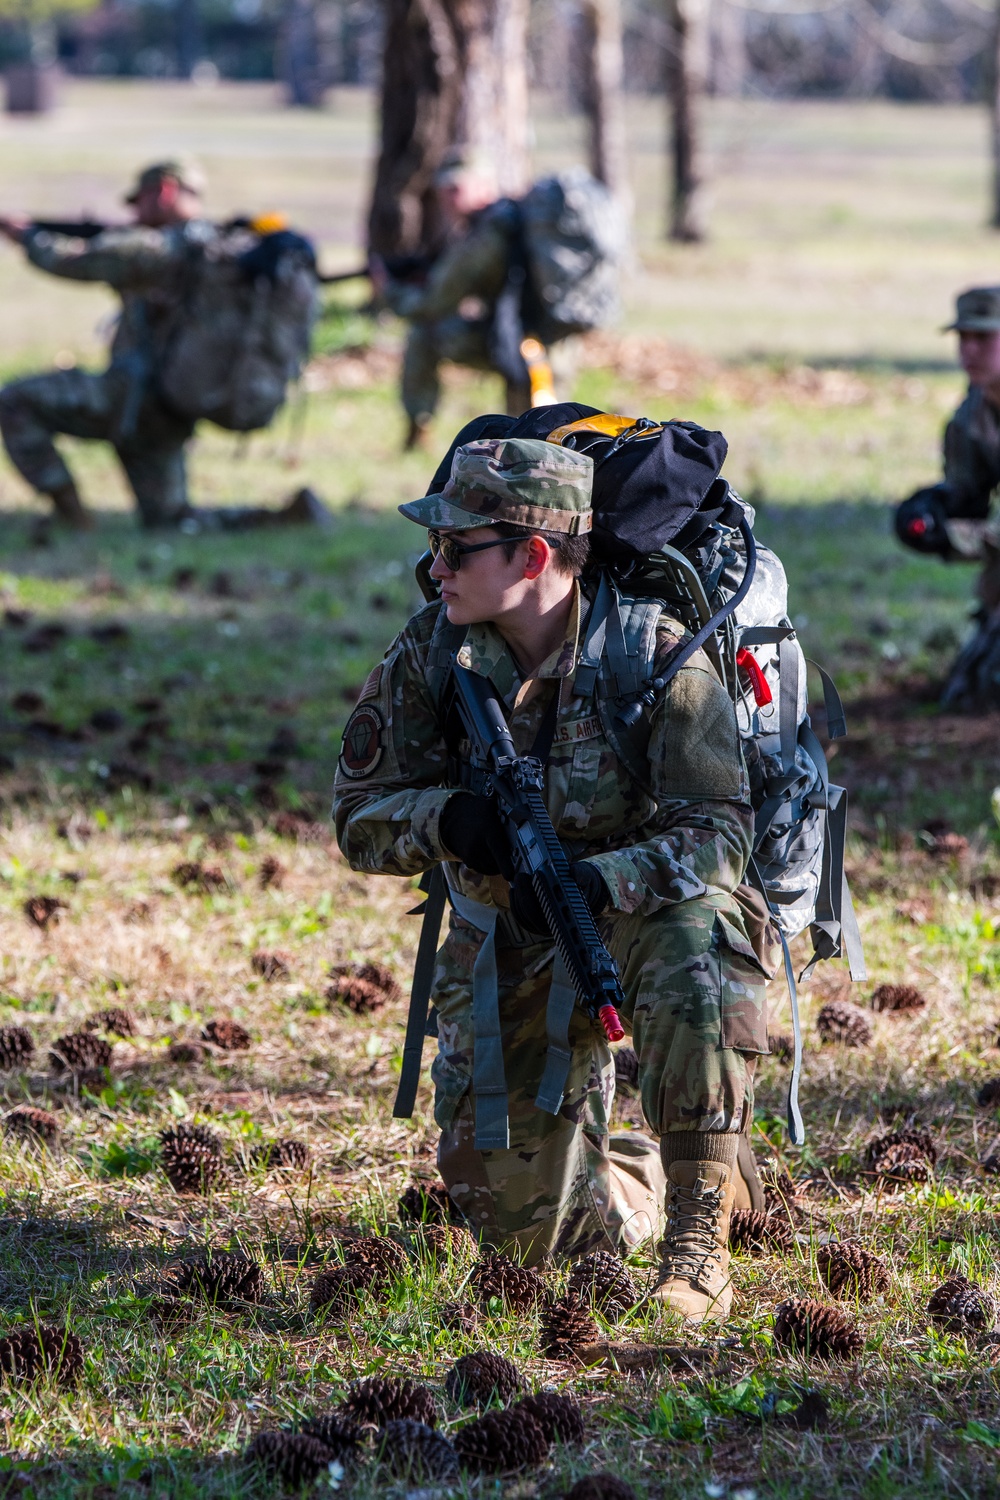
[(80, 229), (399, 267), (516, 783)]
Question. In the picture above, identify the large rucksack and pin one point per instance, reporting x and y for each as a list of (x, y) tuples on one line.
[(243, 327), (670, 531), (573, 237)]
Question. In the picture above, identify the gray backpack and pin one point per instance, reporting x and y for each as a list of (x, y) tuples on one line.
[(573, 236), (243, 330)]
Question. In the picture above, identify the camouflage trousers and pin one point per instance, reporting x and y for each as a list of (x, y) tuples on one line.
[(149, 442), (464, 342), (696, 1007)]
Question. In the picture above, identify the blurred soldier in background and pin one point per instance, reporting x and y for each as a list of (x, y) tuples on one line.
[(451, 311), (150, 264), (959, 519)]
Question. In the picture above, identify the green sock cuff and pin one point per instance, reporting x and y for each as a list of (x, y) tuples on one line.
[(699, 1145)]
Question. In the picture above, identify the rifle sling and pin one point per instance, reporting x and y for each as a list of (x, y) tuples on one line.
[(420, 993)]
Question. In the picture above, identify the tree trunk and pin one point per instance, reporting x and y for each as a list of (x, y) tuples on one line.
[(301, 55), (687, 71), (188, 36), (494, 115), (454, 73), (602, 56), (728, 50)]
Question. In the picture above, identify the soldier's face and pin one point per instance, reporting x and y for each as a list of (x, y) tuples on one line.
[(487, 585), (979, 352)]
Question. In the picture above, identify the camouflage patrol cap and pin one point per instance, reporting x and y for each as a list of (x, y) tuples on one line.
[(977, 311), (187, 174), (521, 480)]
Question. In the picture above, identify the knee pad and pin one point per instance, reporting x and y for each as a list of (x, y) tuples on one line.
[(919, 521)]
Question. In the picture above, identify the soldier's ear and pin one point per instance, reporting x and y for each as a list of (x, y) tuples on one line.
[(539, 556)]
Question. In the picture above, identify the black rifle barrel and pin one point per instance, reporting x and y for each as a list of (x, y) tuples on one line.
[(81, 229), (516, 782)]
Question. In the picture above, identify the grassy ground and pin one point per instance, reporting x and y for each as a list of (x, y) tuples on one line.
[(806, 330)]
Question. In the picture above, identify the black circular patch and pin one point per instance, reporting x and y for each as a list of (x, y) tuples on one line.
[(362, 748)]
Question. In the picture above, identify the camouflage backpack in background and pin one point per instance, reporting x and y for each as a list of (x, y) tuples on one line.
[(572, 238), (244, 327)]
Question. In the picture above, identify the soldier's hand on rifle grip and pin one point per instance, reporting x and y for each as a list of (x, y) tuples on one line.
[(526, 907), (471, 830)]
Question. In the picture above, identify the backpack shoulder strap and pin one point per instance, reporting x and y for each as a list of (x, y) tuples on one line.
[(445, 640)]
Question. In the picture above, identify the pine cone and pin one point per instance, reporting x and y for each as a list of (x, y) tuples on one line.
[(458, 1317), (960, 1306), (227, 1034), (191, 1156), (186, 1052), (271, 873), (480, 1378), (44, 912), (566, 1329), (271, 966), (379, 1254), (780, 1191), (444, 1242), (29, 1353), (991, 1164), (519, 1288), (293, 825), (850, 1270), (223, 1278), (626, 1068), (753, 1233), (192, 875), (79, 1051), (840, 1021), (28, 1120), (290, 1458), (116, 1021), (812, 1412), (284, 1154), (559, 1416), (600, 1280), (816, 1330), (363, 988), (336, 1432), (501, 1442), (336, 1290), (902, 1158), (898, 999), (600, 1487), (383, 1399), (414, 1451), (420, 1204), (989, 1094), (781, 1046), (16, 1046)]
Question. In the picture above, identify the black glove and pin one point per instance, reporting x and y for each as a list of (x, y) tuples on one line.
[(471, 830), (527, 909)]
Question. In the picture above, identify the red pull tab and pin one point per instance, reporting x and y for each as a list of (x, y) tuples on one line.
[(748, 663), (613, 1028)]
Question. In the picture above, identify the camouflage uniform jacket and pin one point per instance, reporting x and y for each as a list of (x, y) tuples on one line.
[(693, 836), (148, 268), (475, 265), (972, 456)]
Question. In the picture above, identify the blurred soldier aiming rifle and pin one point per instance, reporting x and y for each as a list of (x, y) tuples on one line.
[(513, 279), (959, 519), (214, 323)]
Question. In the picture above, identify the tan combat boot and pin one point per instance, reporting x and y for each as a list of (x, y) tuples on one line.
[(694, 1279)]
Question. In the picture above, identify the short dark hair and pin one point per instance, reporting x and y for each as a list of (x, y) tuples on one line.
[(571, 552)]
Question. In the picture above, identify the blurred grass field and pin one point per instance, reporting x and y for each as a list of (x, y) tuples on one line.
[(808, 330)]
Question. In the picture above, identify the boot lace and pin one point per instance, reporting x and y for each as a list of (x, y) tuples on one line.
[(690, 1241)]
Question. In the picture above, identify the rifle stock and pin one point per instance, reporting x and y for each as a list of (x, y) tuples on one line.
[(517, 781)]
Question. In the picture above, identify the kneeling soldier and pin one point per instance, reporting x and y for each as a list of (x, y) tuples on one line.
[(659, 866)]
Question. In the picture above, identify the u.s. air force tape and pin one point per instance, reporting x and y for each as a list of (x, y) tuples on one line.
[(363, 743)]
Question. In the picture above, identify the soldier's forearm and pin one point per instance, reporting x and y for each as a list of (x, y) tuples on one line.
[(709, 848)]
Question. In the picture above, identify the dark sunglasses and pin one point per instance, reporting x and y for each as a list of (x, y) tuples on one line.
[(453, 551)]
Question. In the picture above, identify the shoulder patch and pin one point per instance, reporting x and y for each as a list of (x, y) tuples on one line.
[(372, 683), (364, 742)]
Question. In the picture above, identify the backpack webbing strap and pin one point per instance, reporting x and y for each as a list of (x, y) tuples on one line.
[(796, 1128), (836, 719), (788, 704), (592, 650), (559, 1053), (489, 1079), (420, 993)]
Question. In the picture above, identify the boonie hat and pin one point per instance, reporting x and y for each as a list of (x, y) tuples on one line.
[(185, 173), (977, 311), (524, 481)]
